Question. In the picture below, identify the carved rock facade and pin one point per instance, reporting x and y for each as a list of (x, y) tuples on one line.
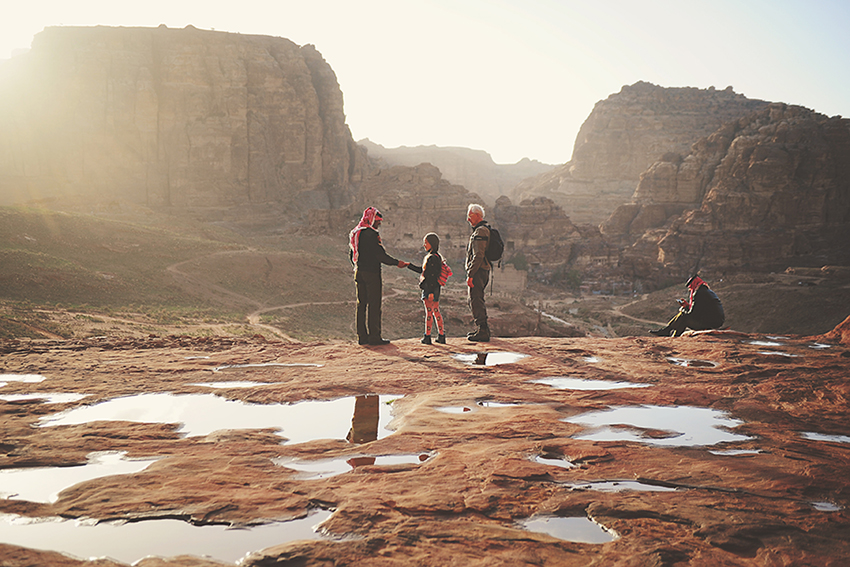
[(168, 117)]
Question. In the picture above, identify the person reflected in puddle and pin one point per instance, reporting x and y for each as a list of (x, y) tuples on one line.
[(481, 358), (364, 423), (701, 311)]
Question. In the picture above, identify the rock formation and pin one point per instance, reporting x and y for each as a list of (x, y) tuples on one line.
[(168, 117), (763, 192), (624, 135), (474, 169)]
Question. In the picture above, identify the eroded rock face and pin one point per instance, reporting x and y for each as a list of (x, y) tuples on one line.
[(174, 117), (766, 190), (625, 134)]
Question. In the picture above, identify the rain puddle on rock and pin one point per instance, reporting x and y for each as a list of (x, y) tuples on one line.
[(489, 358), (617, 486), (43, 484), (826, 507), (201, 414), (577, 529), (28, 378), (326, 468), (812, 436), (130, 542), (778, 353), (764, 343), (736, 452), (55, 398), (591, 359), (567, 383), (226, 385), (671, 426), (552, 460), (819, 346), (691, 363), (269, 364), (474, 407)]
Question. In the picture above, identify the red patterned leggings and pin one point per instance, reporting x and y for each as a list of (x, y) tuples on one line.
[(432, 311)]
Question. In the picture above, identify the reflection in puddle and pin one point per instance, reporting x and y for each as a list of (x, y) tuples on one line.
[(454, 409), (58, 398), (691, 363), (763, 343), (201, 414), (819, 346), (195, 357), (327, 468), (821, 437), (553, 461), (778, 353), (489, 358), (28, 378), (130, 542), (566, 383), (43, 484), (826, 507), (492, 404), (268, 364), (569, 529), (733, 452), (675, 426), (618, 486), (225, 385)]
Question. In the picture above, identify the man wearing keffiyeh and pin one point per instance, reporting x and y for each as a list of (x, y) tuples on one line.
[(701, 311), (367, 254)]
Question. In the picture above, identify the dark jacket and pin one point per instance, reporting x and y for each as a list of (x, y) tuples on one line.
[(430, 282), (370, 252), (476, 251), (707, 308)]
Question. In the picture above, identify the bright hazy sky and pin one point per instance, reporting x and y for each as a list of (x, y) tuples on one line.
[(515, 78)]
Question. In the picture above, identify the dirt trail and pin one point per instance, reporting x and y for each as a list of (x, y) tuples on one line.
[(618, 311), (214, 292)]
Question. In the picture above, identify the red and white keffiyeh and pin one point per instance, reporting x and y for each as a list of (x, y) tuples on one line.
[(369, 216), (693, 285)]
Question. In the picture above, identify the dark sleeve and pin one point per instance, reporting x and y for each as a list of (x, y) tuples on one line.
[(370, 245), (412, 268)]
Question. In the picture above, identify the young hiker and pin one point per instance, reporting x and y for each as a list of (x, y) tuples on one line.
[(431, 280)]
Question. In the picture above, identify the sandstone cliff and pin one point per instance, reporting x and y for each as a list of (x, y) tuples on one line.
[(474, 169), (770, 189), (173, 117), (624, 135)]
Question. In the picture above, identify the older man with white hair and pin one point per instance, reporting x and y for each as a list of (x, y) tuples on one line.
[(478, 271)]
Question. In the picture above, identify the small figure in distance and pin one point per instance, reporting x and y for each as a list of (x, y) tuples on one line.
[(430, 283), (366, 255), (701, 311)]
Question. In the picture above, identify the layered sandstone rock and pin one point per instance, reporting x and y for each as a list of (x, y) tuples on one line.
[(624, 135), (174, 117), (770, 189), (474, 169)]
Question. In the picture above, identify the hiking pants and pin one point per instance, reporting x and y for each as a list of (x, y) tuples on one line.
[(369, 291), (476, 297)]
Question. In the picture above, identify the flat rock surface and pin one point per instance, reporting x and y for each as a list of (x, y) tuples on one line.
[(713, 449)]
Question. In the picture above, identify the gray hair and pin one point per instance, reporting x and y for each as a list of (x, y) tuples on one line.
[(477, 209)]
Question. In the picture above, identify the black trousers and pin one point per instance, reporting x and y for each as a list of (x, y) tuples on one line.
[(683, 321), (476, 297), (369, 291)]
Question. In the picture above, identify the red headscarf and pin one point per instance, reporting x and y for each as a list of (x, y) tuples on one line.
[(369, 216), (693, 285)]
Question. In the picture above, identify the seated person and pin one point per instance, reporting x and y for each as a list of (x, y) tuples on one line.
[(702, 311)]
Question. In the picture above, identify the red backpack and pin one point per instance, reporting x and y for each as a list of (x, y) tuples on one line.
[(445, 272)]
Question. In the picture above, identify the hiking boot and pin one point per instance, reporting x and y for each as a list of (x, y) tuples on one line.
[(482, 336), (426, 340), (441, 339), (660, 332), (378, 342)]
